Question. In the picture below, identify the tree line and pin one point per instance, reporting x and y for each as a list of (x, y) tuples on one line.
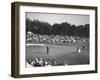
[(65, 28)]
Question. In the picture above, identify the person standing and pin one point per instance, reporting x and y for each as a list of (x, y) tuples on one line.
[(47, 50), (78, 50), (83, 46)]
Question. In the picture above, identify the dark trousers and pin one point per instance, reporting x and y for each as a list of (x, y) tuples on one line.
[(47, 49)]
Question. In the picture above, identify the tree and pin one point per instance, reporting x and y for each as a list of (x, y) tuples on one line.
[(65, 28)]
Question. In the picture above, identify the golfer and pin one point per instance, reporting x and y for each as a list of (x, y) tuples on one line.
[(78, 50), (47, 49), (83, 46)]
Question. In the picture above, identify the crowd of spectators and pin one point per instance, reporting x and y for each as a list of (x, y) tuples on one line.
[(40, 62), (51, 39)]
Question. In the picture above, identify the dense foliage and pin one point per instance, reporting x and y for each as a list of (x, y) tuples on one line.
[(63, 29)]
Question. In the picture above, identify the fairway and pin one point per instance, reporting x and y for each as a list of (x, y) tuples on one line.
[(59, 53)]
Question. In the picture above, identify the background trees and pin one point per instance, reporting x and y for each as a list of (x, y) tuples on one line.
[(64, 28)]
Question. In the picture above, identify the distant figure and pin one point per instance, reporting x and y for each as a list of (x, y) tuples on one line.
[(78, 50), (47, 49), (83, 46)]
